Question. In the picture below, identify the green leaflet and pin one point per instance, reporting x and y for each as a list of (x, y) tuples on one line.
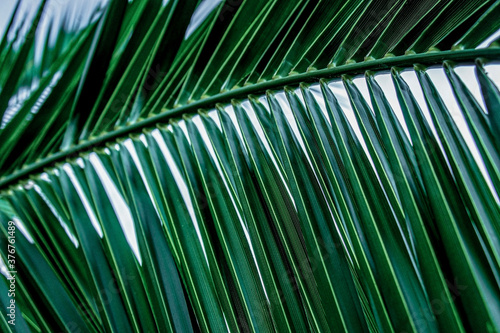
[(20, 59)]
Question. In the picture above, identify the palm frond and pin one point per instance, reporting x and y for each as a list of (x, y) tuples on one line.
[(254, 166)]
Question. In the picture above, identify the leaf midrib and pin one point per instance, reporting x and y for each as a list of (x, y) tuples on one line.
[(429, 58)]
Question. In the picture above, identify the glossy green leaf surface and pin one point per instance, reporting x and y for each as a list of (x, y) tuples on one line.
[(253, 166)]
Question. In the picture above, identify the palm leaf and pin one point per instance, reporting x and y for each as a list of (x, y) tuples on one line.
[(251, 165)]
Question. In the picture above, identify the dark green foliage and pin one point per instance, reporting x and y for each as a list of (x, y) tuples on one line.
[(270, 166)]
